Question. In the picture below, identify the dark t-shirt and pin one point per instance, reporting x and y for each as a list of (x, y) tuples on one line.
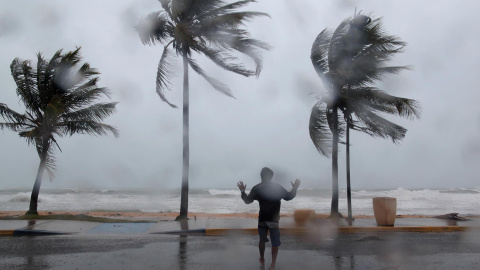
[(268, 196)]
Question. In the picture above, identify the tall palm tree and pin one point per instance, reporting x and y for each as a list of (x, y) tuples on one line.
[(60, 100), (349, 61), (208, 27)]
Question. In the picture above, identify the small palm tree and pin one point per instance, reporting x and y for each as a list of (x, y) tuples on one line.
[(208, 27), (60, 100), (349, 61)]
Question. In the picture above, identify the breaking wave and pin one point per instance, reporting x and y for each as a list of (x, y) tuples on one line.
[(409, 201)]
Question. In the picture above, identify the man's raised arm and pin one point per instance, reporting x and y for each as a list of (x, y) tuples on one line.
[(290, 195), (246, 198)]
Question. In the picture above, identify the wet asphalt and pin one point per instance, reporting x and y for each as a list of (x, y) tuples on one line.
[(452, 250)]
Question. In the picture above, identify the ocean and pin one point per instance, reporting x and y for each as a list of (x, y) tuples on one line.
[(409, 201)]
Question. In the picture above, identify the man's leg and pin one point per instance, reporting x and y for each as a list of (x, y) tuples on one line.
[(261, 248), (262, 232), (275, 236), (274, 257)]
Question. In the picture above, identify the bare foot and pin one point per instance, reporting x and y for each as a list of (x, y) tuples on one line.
[(262, 261), (272, 267)]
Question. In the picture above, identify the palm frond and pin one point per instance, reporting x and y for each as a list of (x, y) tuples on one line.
[(24, 77), (164, 74), (238, 40), (336, 45), (88, 127), (42, 73), (377, 126), (192, 9), (85, 94), (11, 115), (72, 58), (167, 6), (319, 52), (383, 102), (231, 20), (213, 82), (154, 28), (14, 126), (224, 9), (180, 7), (226, 61), (319, 129), (96, 112)]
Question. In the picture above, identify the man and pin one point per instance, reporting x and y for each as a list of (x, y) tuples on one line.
[(268, 195)]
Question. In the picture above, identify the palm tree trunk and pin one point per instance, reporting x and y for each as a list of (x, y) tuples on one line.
[(349, 191), (32, 210), (186, 147), (334, 206)]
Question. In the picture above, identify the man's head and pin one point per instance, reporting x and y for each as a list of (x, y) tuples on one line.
[(266, 174)]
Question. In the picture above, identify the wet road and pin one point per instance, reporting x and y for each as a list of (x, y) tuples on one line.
[(346, 251)]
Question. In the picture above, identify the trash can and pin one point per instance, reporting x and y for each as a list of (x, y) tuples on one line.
[(385, 210)]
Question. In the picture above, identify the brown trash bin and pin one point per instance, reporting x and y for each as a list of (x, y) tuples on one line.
[(385, 210), (302, 216)]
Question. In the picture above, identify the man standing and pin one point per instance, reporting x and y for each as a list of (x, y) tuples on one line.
[(268, 195)]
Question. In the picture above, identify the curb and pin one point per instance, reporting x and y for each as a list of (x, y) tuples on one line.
[(404, 229), (212, 232), (198, 231), (300, 231), (33, 233)]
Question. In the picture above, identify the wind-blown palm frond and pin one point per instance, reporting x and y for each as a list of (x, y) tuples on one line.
[(227, 39), (87, 93), (230, 20), (383, 102), (164, 74), (336, 45), (319, 129), (88, 127), (377, 126), (319, 53), (11, 115), (221, 10), (155, 28), (219, 86), (24, 76), (225, 61), (96, 112)]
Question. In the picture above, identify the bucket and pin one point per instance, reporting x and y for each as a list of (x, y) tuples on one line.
[(385, 210)]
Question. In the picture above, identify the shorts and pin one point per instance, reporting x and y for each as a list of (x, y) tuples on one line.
[(263, 230)]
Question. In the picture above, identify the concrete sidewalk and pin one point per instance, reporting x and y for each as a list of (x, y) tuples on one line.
[(222, 226)]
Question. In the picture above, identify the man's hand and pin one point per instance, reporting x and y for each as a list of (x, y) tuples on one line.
[(241, 186), (296, 184)]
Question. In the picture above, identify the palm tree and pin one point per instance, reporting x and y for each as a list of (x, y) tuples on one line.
[(349, 61), (60, 100), (208, 27)]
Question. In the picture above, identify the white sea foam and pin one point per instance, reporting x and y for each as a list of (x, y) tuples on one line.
[(223, 192), (20, 197), (421, 201)]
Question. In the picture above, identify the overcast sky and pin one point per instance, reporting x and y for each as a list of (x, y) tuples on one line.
[(267, 123)]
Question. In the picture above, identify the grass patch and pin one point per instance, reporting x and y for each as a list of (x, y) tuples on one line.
[(75, 217)]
